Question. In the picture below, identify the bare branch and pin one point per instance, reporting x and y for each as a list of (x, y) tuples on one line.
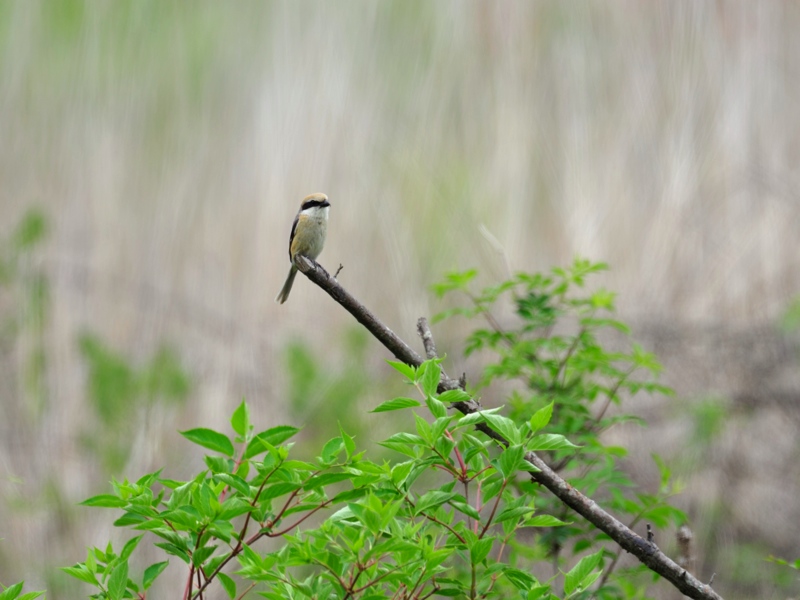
[(645, 551)]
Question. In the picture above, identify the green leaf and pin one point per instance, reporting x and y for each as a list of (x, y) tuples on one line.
[(208, 438), (480, 550), (228, 584), (396, 404), (437, 408), (664, 471), (240, 421), (541, 417), (327, 479), (234, 481), (424, 429), (201, 555), (153, 571), (583, 574), (277, 490), (478, 416), (105, 501), (130, 546), (544, 521), (128, 519), (331, 450), (431, 373), (403, 442), (349, 444), (509, 461), (450, 396), (233, 507), (504, 426), (520, 579), (549, 441), (272, 437), (400, 471), (513, 513), (407, 371), (465, 508), (11, 592), (118, 581), (80, 572), (432, 499), (454, 281)]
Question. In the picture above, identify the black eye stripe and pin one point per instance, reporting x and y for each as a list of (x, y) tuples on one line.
[(314, 204)]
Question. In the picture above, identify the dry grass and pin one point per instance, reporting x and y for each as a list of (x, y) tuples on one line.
[(170, 147)]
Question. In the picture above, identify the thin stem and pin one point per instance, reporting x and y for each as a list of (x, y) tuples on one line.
[(494, 508), (382, 575), (246, 591)]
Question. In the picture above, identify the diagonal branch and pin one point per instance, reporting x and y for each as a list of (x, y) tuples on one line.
[(647, 552)]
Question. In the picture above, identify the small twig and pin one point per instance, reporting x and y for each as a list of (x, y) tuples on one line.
[(426, 334), (710, 581), (339, 270), (686, 557), (650, 536)]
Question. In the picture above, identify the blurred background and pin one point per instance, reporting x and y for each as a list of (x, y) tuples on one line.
[(153, 156)]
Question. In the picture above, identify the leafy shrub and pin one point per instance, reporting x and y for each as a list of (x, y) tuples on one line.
[(452, 516)]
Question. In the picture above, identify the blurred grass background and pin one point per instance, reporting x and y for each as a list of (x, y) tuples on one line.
[(167, 147)]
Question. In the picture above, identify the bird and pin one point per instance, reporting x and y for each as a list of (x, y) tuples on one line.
[(308, 236)]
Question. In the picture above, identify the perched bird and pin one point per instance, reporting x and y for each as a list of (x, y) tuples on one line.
[(308, 236)]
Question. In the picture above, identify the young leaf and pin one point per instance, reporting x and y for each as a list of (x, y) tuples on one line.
[(234, 482), (480, 550), (541, 417), (210, 439), (79, 572), (240, 421), (273, 437), (544, 521), (549, 441), (105, 500), (509, 461), (396, 404), (407, 371), (228, 584), (581, 575), (331, 450), (477, 416), (504, 426), (118, 581), (12, 591), (450, 396), (153, 571), (437, 408), (349, 444), (431, 373), (432, 499), (130, 546)]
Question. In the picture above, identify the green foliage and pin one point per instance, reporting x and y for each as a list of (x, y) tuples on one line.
[(574, 362), (790, 321), (450, 513), (118, 392), (350, 527), (24, 284), (14, 592)]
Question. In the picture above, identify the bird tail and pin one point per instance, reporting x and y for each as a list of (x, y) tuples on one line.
[(287, 287)]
